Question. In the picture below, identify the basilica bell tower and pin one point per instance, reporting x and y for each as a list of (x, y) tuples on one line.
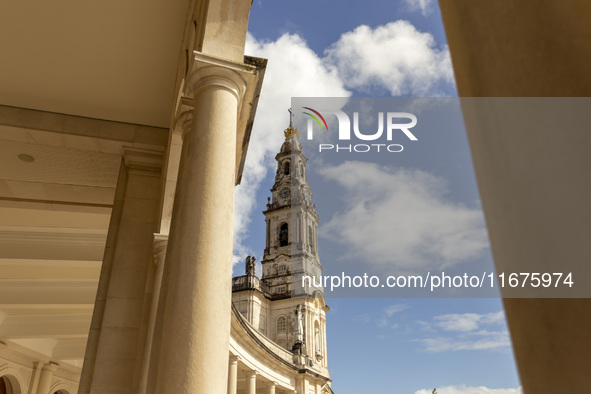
[(291, 250), (290, 314)]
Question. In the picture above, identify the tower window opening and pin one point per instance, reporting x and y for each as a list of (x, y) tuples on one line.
[(283, 235), (286, 168), (281, 324)]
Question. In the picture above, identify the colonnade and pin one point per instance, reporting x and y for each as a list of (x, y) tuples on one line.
[(251, 383)]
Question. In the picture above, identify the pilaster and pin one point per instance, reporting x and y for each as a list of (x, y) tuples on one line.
[(159, 250), (116, 340)]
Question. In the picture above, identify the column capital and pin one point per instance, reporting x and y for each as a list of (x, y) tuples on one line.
[(183, 116), (143, 159), (184, 121), (159, 248), (235, 359), (213, 71), (51, 366)]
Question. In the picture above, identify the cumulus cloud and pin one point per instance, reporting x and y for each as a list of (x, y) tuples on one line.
[(395, 57), (400, 218), (293, 70), (463, 389), (466, 331), (423, 6)]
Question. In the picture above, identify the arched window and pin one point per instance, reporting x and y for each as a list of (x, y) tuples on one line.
[(286, 168), (310, 237), (302, 169), (283, 235), (281, 324)]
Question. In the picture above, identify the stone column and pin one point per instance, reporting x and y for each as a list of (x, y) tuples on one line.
[(233, 375), (160, 243), (251, 382), (271, 388), (196, 326), (533, 185), (46, 377)]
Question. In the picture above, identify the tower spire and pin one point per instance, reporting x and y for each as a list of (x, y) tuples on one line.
[(291, 130)]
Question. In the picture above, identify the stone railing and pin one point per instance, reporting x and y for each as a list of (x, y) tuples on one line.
[(248, 282)]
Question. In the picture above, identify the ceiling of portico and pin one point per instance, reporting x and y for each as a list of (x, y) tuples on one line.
[(54, 216), (107, 59), (112, 64)]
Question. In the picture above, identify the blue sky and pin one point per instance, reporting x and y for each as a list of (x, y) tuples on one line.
[(374, 48)]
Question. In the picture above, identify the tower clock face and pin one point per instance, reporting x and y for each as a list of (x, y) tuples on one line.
[(285, 193)]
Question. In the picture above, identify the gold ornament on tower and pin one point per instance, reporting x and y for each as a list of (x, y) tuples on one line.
[(291, 130)]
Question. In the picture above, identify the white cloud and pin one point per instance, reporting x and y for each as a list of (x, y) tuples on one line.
[(388, 312), (467, 321), (463, 389), (423, 6), (401, 219), (293, 69), (392, 309), (424, 326), (466, 331), (493, 340), (395, 57)]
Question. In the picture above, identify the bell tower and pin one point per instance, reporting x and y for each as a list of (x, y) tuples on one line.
[(291, 315), (291, 249)]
